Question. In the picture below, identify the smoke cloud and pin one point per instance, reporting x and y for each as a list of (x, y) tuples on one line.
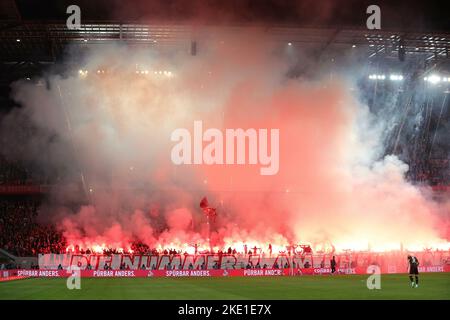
[(108, 131)]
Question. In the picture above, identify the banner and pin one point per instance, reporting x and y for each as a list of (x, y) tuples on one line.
[(25, 273)]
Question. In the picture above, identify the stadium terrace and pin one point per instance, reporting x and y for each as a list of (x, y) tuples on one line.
[(234, 149)]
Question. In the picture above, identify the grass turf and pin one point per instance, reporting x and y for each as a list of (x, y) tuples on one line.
[(393, 286)]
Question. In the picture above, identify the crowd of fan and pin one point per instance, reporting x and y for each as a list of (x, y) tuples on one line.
[(21, 235)]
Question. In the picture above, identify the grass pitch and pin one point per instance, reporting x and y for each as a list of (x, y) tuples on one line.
[(393, 286)]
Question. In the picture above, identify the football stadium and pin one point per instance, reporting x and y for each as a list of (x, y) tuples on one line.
[(224, 150)]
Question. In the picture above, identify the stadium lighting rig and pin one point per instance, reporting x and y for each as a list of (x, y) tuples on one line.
[(156, 72), (377, 77), (166, 73)]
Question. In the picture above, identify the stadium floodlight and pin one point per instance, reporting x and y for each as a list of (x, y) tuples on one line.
[(434, 79), (395, 77), (82, 73), (377, 77)]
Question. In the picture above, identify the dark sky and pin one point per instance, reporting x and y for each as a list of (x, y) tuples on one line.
[(409, 15)]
